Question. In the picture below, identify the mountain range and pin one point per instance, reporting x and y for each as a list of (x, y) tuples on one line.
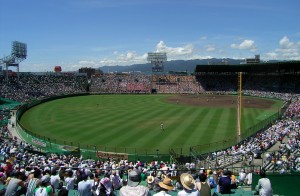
[(174, 65)]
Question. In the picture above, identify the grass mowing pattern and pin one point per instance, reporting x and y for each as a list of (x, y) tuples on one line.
[(133, 121)]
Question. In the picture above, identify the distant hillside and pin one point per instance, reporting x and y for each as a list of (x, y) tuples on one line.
[(176, 65)]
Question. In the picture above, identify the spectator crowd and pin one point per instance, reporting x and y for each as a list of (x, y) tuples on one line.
[(26, 171), (29, 86)]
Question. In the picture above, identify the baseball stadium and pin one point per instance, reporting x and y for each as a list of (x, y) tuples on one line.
[(219, 116)]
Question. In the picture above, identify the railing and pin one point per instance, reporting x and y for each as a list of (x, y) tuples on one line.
[(173, 156), (223, 144)]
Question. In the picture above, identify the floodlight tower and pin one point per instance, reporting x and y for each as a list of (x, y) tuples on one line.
[(18, 54)]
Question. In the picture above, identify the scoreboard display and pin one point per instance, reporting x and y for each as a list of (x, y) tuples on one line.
[(157, 60)]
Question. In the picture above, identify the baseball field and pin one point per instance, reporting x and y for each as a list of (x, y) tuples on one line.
[(145, 122)]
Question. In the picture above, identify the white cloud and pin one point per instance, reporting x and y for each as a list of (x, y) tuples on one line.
[(86, 63), (210, 48), (203, 38), (127, 58), (287, 50), (175, 52), (245, 45), (122, 58), (271, 55), (197, 56), (132, 57), (285, 43)]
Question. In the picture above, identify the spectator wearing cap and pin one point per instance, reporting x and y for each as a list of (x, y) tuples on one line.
[(84, 187), (44, 188), (189, 187), (242, 176), (165, 187), (133, 187)]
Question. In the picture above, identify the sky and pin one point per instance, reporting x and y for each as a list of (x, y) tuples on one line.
[(96, 33)]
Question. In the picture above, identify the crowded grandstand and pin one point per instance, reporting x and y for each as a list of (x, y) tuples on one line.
[(275, 149)]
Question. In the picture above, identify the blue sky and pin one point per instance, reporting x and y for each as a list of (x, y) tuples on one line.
[(95, 33)]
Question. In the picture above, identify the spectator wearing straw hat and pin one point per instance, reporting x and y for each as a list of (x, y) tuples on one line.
[(188, 183), (150, 182), (165, 187)]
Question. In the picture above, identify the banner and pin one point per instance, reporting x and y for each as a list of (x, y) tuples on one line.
[(38, 142), (111, 155)]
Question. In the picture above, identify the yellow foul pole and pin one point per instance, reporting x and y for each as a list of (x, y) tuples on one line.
[(239, 106)]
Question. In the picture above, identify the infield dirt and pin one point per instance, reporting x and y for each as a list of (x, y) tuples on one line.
[(228, 101)]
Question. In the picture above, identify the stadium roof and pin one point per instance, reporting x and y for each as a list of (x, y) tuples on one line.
[(282, 67)]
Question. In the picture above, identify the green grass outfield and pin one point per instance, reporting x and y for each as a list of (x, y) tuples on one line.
[(127, 122)]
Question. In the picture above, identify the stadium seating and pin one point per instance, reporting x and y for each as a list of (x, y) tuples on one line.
[(285, 159)]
